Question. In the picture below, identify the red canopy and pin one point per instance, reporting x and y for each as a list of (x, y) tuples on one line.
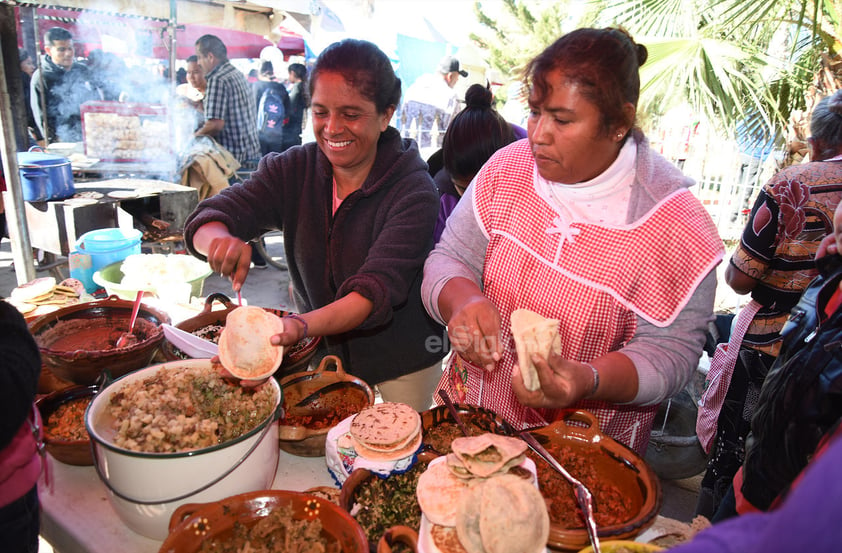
[(240, 44), (148, 38)]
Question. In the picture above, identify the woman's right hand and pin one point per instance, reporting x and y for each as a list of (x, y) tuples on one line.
[(474, 332), (231, 257), (227, 255)]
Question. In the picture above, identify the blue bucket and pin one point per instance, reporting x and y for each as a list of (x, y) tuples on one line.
[(98, 248)]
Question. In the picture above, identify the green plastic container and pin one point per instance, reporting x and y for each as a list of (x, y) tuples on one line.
[(110, 276)]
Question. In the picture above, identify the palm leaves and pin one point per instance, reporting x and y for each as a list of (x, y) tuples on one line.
[(747, 62)]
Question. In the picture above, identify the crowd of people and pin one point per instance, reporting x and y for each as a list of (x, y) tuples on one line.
[(411, 271), (225, 105)]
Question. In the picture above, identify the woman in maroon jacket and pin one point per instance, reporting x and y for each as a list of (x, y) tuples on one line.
[(20, 464), (357, 209)]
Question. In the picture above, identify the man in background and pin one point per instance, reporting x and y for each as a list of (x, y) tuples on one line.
[(193, 91), (230, 109), (431, 102), (299, 101), (62, 85)]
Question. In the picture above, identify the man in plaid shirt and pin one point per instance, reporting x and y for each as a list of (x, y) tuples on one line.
[(230, 109)]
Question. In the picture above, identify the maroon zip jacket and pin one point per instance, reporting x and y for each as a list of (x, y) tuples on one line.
[(375, 245)]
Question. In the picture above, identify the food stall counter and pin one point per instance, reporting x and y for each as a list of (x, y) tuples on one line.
[(77, 516)]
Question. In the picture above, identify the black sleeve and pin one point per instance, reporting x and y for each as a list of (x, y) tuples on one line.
[(20, 369)]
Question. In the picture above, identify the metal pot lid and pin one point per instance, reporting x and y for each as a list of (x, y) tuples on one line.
[(41, 159)]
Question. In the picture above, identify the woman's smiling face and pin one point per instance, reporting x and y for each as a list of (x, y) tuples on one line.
[(566, 133), (345, 123)]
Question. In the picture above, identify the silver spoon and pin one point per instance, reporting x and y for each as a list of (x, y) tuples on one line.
[(453, 412), (583, 495)]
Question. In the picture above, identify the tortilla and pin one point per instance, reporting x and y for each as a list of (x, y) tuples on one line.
[(533, 334), (439, 492), (386, 427), (446, 539), (503, 514), (244, 347), (37, 288), (374, 455), (485, 455)]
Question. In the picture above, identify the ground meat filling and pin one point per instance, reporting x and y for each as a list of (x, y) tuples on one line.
[(186, 408), (610, 506), (278, 531)]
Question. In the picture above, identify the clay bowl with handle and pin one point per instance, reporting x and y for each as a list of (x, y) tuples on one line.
[(398, 534), (205, 324), (78, 342), (316, 401), (195, 523), (626, 491), (72, 445)]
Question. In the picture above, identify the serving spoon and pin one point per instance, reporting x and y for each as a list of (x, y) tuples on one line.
[(453, 412), (128, 338), (583, 495)]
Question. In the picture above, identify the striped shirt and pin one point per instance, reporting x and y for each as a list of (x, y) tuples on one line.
[(229, 97)]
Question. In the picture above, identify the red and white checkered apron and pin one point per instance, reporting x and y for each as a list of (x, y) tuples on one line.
[(594, 279)]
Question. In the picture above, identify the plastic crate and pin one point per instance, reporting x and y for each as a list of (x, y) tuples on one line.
[(118, 131)]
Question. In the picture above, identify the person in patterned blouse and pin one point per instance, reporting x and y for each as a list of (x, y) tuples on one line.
[(774, 263), (229, 105)]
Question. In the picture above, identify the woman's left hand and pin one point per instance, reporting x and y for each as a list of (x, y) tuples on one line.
[(563, 383)]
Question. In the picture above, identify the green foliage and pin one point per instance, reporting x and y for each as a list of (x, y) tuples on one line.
[(729, 60), (518, 35)]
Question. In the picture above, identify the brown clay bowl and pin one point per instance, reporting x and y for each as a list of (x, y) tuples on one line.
[(316, 401), (398, 534), (194, 523), (440, 429), (610, 464), (77, 342), (71, 452), (361, 477), (296, 357)]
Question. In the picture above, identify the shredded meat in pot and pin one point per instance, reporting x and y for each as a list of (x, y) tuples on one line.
[(279, 532)]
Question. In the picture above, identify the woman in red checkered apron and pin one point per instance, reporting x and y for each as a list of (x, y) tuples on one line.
[(584, 223)]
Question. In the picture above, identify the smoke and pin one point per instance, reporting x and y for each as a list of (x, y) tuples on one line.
[(114, 63)]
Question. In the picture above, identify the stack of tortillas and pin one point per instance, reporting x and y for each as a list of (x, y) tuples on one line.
[(533, 334), (476, 505), (244, 346), (386, 431), (42, 295)]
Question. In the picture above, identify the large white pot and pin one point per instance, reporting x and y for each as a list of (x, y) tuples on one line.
[(145, 488)]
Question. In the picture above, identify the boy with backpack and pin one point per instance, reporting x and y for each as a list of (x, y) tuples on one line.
[(272, 109)]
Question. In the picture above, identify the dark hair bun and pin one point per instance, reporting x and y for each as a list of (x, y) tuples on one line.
[(834, 103), (478, 96), (642, 54)]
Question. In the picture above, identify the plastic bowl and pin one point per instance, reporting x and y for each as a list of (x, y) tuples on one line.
[(111, 276)]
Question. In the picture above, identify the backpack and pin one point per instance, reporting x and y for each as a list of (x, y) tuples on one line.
[(801, 398), (271, 113)]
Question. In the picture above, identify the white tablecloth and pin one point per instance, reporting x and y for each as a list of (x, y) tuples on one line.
[(77, 517)]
